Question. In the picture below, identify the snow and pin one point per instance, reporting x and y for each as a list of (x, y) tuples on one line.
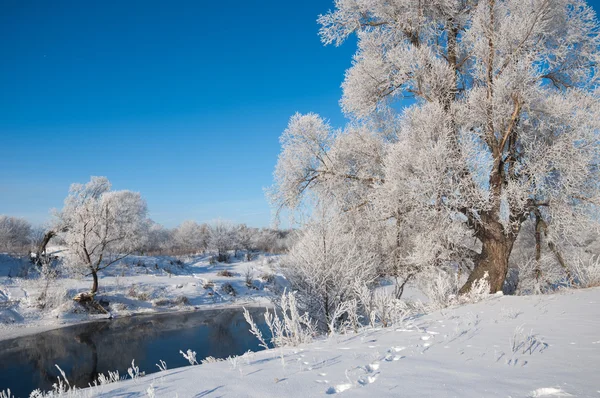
[(504, 346), (137, 285)]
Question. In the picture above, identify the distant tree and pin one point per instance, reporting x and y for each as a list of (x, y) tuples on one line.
[(159, 240), (190, 237), (15, 234), (246, 239), (100, 226), (265, 240), (204, 240), (222, 238)]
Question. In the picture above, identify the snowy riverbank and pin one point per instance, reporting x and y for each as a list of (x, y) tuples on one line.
[(138, 285), (505, 346)]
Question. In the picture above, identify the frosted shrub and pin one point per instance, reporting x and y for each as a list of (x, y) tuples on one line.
[(210, 359), (537, 277), (162, 367), (190, 356), (586, 273), (344, 317), (134, 371), (289, 329), (440, 287), (254, 329), (292, 328), (325, 264), (6, 394), (480, 289), (112, 377), (381, 307)]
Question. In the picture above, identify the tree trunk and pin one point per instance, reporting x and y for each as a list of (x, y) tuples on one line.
[(41, 250), (495, 252), (95, 283)]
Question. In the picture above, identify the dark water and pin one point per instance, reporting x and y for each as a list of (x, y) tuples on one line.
[(83, 351)]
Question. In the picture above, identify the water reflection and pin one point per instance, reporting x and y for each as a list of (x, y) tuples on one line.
[(84, 351)]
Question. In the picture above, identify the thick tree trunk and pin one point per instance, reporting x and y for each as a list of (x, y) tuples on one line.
[(495, 252), (95, 283)]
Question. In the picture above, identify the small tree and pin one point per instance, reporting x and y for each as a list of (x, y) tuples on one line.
[(221, 238), (326, 266), (101, 226), (246, 240)]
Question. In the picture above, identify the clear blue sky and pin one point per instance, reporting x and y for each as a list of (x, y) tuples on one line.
[(183, 101)]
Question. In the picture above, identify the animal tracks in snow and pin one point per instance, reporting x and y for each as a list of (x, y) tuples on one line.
[(339, 388), (371, 372)]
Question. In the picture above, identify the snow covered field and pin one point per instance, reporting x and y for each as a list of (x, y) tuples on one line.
[(505, 346), (139, 284)]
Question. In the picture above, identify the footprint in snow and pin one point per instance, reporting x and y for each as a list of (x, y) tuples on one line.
[(372, 367), (390, 357), (339, 388), (363, 381)]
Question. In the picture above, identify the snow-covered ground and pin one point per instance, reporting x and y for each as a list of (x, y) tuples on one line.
[(139, 284), (504, 346)]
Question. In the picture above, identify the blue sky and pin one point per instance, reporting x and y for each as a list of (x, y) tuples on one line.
[(183, 101)]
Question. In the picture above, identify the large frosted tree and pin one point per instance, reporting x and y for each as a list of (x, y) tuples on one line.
[(502, 127), (100, 226)]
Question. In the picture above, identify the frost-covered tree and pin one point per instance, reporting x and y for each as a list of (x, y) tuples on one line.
[(191, 237), (246, 239), (326, 265), (100, 226), (222, 238), (15, 233), (503, 127), (159, 239)]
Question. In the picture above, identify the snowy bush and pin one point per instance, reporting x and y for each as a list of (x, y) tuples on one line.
[(586, 273), (287, 326), (190, 356), (547, 275), (381, 307), (6, 394), (440, 287), (324, 266)]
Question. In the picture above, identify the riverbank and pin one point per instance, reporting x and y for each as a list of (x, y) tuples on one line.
[(138, 285), (515, 346)]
